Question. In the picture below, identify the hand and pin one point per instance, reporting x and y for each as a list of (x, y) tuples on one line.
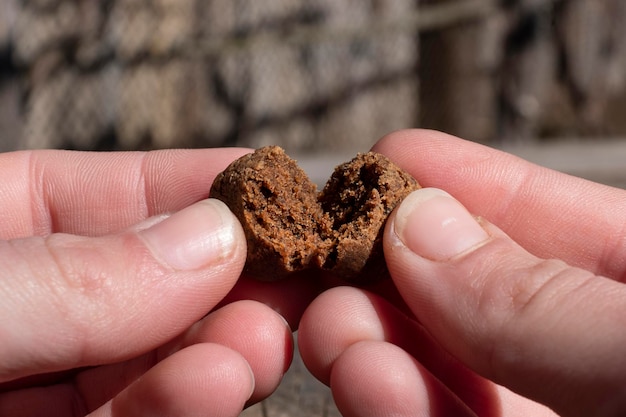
[(520, 312), (105, 292)]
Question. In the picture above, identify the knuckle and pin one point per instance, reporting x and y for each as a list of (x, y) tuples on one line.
[(520, 298)]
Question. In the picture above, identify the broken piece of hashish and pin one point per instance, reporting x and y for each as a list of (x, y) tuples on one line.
[(290, 227)]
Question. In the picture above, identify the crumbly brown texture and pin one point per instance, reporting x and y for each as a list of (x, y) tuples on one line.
[(290, 227), (277, 206), (358, 197)]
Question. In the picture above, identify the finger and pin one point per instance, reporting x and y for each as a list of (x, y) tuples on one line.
[(512, 317), (258, 333), (551, 214), (204, 379), (343, 317), (252, 329), (72, 301), (380, 379), (247, 327), (94, 194)]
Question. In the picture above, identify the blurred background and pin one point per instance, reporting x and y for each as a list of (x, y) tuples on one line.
[(545, 79), (308, 75)]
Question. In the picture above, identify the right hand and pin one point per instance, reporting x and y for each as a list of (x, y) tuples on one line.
[(502, 320)]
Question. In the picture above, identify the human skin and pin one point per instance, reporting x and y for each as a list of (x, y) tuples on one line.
[(104, 313), (113, 273), (517, 312)]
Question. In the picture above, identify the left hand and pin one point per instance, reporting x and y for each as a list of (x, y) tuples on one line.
[(108, 299)]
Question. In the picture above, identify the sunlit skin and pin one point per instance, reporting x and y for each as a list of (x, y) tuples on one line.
[(122, 292), (535, 316)]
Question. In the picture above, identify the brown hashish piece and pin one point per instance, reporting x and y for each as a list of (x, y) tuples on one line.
[(358, 197), (289, 226), (276, 203)]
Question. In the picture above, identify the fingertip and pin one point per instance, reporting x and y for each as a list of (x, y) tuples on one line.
[(202, 235), (427, 233), (377, 378), (267, 345), (202, 379), (433, 225), (388, 385), (335, 320)]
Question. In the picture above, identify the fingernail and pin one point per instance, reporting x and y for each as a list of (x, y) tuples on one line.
[(434, 225), (252, 381), (194, 237)]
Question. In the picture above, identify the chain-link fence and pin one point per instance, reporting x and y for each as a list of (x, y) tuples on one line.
[(317, 74)]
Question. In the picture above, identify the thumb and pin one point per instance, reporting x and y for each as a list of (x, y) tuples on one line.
[(71, 301), (549, 331)]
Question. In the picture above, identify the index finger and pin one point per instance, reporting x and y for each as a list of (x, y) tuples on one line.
[(551, 214), (88, 193)]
